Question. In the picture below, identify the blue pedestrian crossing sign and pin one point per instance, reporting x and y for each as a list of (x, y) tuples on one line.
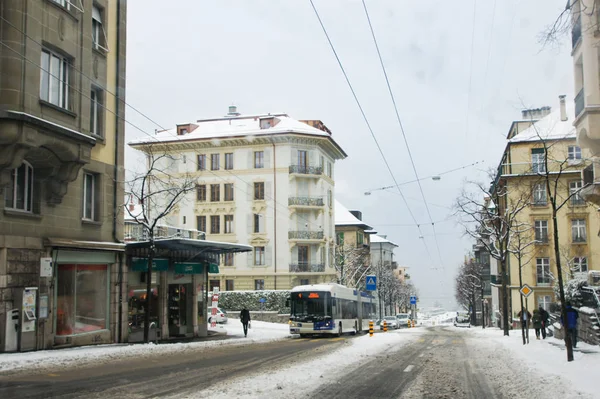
[(371, 283), (413, 300)]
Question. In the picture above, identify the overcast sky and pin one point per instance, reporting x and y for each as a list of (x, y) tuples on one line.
[(193, 58)]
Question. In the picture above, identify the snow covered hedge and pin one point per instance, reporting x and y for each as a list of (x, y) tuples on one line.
[(573, 292), (237, 300)]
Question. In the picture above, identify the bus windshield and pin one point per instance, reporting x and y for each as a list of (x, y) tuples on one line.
[(310, 306)]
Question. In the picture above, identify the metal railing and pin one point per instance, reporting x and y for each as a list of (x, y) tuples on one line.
[(576, 32), (307, 267), (537, 169), (306, 235), (579, 102), (306, 201), (541, 238), (136, 232), (306, 170)]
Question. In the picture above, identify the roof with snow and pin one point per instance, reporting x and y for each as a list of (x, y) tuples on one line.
[(343, 217), (550, 127), (378, 238), (236, 126)]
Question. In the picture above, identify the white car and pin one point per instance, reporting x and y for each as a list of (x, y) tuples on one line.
[(220, 318)]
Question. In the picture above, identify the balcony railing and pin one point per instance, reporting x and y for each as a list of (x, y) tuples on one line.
[(306, 267), (537, 168), (579, 103), (306, 170), (576, 32), (305, 201), (306, 235), (136, 232), (541, 238)]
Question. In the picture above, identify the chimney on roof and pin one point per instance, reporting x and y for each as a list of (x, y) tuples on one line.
[(233, 111), (563, 108), (357, 214)]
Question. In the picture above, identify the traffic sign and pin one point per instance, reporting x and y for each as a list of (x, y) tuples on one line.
[(371, 283), (526, 290), (413, 300)]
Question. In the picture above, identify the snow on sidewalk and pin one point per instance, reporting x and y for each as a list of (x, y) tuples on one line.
[(548, 358), (292, 381), (102, 354)]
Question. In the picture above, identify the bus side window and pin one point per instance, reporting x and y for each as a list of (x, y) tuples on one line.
[(334, 302)]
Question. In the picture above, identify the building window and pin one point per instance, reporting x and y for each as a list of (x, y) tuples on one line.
[(580, 264), (259, 223), (215, 224), (259, 284), (214, 161), (214, 284), (215, 192), (574, 153), (90, 188), (229, 161), (543, 271), (329, 198), (182, 131), (184, 219), (304, 281), (578, 230), (201, 223), (81, 299), (329, 169), (228, 285), (537, 160), (540, 196), (302, 160), (96, 100), (541, 231), (574, 191), (259, 159), (201, 193), (322, 162), (339, 238), (259, 191), (54, 79), (544, 301), (228, 259), (98, 33), (19, 192), (259, 256), (201, 161), (228, 191), (303, 257), (360, 238), (228, 224)]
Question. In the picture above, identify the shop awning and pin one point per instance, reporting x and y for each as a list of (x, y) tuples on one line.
[(186, 244)]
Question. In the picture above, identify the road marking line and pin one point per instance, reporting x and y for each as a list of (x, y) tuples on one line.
[(421, 355), (53, 375), (456, 341), (337, 339), (429, 347), (409, 368), (421, 340)]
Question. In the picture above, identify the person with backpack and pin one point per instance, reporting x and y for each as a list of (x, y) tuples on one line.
[(245, 319), (571, 323), (545, 318), (536, 320)]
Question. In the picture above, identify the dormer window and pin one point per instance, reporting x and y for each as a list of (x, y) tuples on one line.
[(266, 123), (181, 131)]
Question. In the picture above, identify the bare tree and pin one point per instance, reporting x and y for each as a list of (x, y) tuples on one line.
[(159, 192), (489, 215), (469, 286), (568, 21), (352, 263)]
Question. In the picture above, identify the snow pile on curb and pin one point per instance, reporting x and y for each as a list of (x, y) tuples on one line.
[(102, 354)]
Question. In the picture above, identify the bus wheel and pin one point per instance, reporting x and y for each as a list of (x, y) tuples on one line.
[(339, 334), (302, 335)]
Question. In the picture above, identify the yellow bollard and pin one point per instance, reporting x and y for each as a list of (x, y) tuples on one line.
[(371, 328), (413, 323), (408, 323), (384, 326)]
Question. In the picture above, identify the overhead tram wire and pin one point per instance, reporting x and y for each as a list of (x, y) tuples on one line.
[(368, 124), (283, 207), (471, 69), (412, 161)]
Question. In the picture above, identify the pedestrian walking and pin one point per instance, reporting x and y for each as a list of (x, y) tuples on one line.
[(536, 320), (545, 318), (245, 319), (526, 317), (571, 324)]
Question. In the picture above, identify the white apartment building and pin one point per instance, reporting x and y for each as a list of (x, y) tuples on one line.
[(263, 180), (382, 251)]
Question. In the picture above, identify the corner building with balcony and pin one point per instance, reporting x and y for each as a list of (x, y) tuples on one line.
[(521, 176), (263, 180), (62, 87)]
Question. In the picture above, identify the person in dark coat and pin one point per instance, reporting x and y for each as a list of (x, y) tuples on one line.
[(571, 324), (526, 317), (245, 319), (536, 320), (545, 318)]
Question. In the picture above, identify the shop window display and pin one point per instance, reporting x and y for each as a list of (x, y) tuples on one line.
[(138, 305), (82, 299)]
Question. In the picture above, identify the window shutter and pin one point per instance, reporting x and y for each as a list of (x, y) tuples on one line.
[(268, 193), (313, 254), (312, 155), (251, 259), (267, 158), (294, 156), (250, 159), (268, 255), (250, 221)]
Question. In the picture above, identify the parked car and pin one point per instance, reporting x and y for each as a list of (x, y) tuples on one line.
[(221, 317), (392, 323), (462, 319), (403, 319)]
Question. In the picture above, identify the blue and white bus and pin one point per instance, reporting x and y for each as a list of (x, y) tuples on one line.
[(330, 309)]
